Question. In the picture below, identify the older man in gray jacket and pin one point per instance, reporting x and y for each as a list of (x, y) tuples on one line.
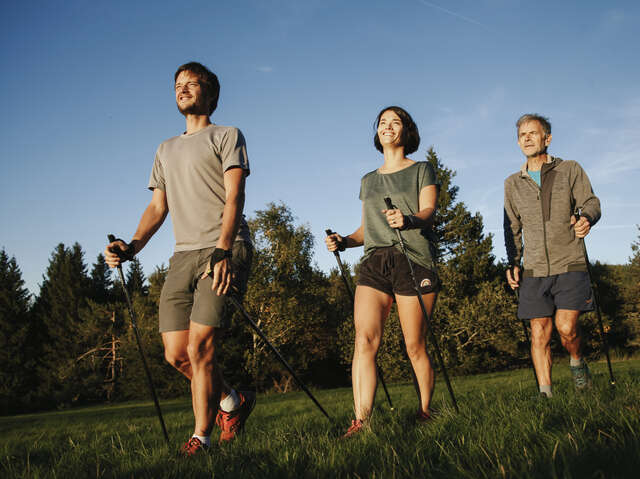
[(540, 205)]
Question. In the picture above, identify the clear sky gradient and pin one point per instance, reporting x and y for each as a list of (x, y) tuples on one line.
[(87, 97)]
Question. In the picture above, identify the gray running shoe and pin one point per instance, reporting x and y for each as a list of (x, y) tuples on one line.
[(581, 376)]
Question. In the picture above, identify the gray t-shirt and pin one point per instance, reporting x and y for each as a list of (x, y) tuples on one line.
[(403, 187), (190, 169)]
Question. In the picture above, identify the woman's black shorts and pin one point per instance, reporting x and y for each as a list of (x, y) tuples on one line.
[(387, 270)]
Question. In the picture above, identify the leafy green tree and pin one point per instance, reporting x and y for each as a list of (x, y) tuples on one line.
[(16, 374), (629, 283), (288, 296)]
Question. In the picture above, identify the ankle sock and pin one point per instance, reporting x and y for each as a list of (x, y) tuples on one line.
[(546, 390), (231, 402), (204, 440), (576, 362)]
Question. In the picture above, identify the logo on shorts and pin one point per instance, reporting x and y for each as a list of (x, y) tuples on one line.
[(425, 283)]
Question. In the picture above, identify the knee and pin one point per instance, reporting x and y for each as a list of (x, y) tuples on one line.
[(201, 352), (177, 358), (367, 344), (416, 350), (568, 332)]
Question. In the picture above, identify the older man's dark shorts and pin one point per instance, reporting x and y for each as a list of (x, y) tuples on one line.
[(387, 270), (185, 297), (540, 297)]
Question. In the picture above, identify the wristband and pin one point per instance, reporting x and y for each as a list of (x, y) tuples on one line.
[(342, 244), (410, 222), (218, 255)]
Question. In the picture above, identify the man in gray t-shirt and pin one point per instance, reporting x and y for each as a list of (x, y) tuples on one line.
[(199, 177)]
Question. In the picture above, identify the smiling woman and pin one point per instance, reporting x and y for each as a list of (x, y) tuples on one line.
[(385, 273)]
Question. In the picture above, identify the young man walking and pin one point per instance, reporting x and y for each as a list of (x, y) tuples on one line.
[(199, 177), (540, 205)]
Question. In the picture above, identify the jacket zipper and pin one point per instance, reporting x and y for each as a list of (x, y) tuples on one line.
[(544, 233), (544, 228)]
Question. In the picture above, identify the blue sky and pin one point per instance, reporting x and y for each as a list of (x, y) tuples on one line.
[(87, 97)]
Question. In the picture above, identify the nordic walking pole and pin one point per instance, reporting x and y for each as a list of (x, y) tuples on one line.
[(132, 315), (528, 343), (259, 332), (351, 295), (605, 343), (390, 206)]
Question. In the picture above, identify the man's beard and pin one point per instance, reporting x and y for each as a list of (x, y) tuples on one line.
[(196, 108)]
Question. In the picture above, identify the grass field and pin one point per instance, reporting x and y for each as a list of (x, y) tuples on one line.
[(503, 430)]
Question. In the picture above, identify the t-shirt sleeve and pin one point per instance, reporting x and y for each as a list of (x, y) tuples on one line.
[(427, 176), (233, 151), (156, 180)]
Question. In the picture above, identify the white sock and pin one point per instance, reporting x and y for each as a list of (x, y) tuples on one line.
[(203, 439), (546, 389), (231, 402), (575, 362)]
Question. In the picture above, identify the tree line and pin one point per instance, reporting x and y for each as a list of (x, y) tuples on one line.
[(72, 344)]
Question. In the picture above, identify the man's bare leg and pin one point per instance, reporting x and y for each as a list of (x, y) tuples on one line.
[(541, 329), (207, 384), (567, 326)]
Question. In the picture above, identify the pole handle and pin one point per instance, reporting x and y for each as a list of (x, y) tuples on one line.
[(111, 237), (387, 200)]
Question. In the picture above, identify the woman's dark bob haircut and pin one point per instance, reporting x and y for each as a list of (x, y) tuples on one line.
[(410, 136)]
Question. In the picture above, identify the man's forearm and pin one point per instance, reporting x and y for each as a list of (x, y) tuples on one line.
[(151, 220), (231, 220)]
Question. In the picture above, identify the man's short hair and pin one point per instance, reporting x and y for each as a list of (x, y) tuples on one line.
[(410, 137), (209, 80), (527, 117)]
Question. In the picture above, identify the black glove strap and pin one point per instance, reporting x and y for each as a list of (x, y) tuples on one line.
[(218, 255), (126, 255), (410, 222)]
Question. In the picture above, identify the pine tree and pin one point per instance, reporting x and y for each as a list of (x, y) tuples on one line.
[(16, 373), (63, 294), (101, 282), (135, 278), (464, 252)]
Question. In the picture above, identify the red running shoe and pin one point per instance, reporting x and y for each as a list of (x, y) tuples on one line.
[(233, 422), (422, 417), (192, 447), (356, 426)]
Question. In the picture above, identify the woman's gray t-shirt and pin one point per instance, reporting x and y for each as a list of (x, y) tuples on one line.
[(403, 187)]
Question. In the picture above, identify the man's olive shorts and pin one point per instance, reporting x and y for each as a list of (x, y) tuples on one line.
[(185, 297)]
